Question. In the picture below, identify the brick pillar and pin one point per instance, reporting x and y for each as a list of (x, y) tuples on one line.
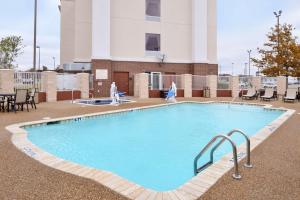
[(49, 85), (186, 80), (281, 85), (7, 80), (141, 89), (256, 82), (83, 84), (212, 82), (235, 86)]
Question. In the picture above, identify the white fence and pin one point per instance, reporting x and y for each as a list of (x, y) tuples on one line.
[(28, 80), (224, 82), (268, 82), (294, 82), (199, 82), (66, 82), (245, 82), (164, 82)]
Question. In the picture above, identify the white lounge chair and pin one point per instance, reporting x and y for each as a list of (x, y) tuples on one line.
[(269, 94), (291, 95), (251, 94)]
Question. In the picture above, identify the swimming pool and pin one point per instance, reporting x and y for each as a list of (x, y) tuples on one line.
[(155, 147)]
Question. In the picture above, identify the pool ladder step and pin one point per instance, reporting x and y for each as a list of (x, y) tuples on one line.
[(226, 137)]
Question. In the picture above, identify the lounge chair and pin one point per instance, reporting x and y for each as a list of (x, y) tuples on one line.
[(269, 94), (290, 95), (251, 94), (121, 94)]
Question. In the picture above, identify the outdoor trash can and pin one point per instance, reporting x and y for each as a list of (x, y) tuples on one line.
[(206, 92)]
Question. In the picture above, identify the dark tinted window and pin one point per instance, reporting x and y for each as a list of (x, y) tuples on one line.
[(153, 8), (152, 42)]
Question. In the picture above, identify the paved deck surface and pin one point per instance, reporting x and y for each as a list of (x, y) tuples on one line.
[(276, 172)]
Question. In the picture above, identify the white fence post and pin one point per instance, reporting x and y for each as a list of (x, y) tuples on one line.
[(49, 85), (187, 85), (235, 86), (256, 82), (141, 89), (7, 80), (212, 81), (83, 84), (281, 85)]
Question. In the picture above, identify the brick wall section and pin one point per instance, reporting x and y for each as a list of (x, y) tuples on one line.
[(67, 95), (224, 93), (42, 97), (198, 93), (203, 69), (101, 87)]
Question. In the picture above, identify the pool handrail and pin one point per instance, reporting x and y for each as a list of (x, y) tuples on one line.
[(236, 174), (248, 163)]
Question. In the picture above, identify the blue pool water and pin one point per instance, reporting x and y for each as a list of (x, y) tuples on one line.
[(155, 147)]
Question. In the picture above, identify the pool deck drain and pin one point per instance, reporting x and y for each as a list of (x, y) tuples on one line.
[(191, 190)]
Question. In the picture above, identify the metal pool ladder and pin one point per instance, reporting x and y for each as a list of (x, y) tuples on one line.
[(236, 174)]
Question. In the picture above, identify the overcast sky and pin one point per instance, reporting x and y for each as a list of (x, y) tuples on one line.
[(242, 25)]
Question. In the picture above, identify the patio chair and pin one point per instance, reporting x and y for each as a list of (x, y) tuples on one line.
[(2, 103), (30, 97), (20, 99), (269, 94), (251, 94), (290, 95), (122, 94)]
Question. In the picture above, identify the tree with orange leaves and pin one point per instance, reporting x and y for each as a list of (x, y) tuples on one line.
[(280, 55)]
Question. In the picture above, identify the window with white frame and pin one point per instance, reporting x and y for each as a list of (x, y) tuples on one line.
[(155, 80), (153, 10), (152, 42)]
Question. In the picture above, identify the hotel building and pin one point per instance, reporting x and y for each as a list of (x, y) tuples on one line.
[(115, 39)]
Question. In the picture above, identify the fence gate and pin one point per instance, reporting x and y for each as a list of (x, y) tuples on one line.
[(28, 80)]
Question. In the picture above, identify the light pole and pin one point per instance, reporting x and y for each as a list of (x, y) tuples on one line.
[(278, 15), (34, 35), (245, 69), (53, 63), (249, 53), (232, 68), (38, 47)]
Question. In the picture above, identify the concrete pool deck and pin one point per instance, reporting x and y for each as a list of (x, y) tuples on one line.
[(275, 175)]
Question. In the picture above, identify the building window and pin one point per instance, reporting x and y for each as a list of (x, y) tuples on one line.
[(155, 80), (152, 42), (153, 10)]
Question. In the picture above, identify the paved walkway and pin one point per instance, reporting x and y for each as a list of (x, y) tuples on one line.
[(276, 172)]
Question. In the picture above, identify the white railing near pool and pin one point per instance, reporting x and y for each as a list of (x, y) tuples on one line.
[(28, 80), (236, 174)]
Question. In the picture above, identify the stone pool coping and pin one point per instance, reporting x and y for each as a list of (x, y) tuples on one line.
[(192, 189)]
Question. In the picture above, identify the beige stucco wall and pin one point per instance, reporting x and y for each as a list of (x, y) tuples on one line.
[(128, 28), (83, 31), (76, 40), (212, 32), (67, 33)]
